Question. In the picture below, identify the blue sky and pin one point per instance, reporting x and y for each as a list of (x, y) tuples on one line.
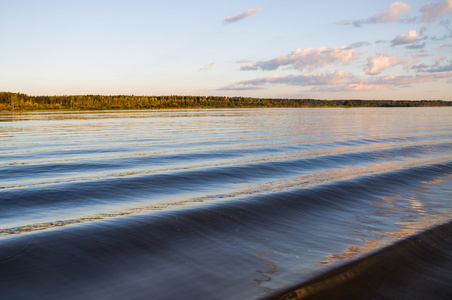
[(284, 49)]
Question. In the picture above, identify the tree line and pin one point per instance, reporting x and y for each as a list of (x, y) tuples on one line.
[(18, 101)]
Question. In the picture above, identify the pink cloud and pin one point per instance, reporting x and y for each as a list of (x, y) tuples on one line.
[(308, 59), (439, 58), (431, 11), (241, 16), (242, 86), (207, 67), (409, 38), (376, 64), (338, 81), (390, 14), (385, 82), (307, 79), (243, 60), (247, 67)]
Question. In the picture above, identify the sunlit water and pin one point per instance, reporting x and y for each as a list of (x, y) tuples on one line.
[(211, 204)]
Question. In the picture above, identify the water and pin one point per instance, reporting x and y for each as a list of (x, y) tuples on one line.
[(226, 204)]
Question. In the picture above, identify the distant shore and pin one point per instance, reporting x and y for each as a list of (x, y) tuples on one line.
[(18, 101)]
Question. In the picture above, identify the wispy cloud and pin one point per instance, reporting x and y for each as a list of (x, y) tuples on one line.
[(376, 64), (402, 39), (248, 67), (390, 14), (422, 30), (307, 59), (385, 82), (432, 11), (448, 35), (207, 67), (307, 79), (417, 56), (358, 44), (242, 86), (416, 46), (243, 61), (446, 24), (241, 16), (439, 58), (338, 81), (441, 64)]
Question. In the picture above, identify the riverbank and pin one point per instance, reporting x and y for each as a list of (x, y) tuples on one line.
[(18, 101)]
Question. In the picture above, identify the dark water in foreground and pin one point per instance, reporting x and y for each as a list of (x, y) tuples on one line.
[(227, 204)]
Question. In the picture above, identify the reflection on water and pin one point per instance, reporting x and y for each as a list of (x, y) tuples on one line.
[(181, 204), (265, 274), (405, 212)]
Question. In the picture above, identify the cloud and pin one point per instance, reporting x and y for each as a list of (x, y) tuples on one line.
[(436, 67), (337, 81), (307, 59), (394, 11), (243, 60), (448, 35), (442, 38), (242, 86), (207, 67), (419, 46), (358, 44), (409, 38), (248, 67), (347, 22), (376, 64), (307, 79), (418, 55), (432, 11), (385, 82), (446, 25), (422, 30), (242, 16), (399, 80), (439, 58)]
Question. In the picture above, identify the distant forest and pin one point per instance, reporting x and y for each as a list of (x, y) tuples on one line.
[(17, 101)]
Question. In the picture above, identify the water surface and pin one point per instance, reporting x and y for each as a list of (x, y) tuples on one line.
[(215, 204)]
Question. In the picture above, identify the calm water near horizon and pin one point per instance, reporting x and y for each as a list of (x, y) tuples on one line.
[(222, 203)]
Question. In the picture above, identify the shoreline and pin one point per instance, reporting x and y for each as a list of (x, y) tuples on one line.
[(17, 101)]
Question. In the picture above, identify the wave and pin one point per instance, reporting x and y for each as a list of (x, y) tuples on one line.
[(135, 188), (235, 247)]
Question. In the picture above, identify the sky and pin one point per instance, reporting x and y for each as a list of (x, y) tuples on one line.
[(364, 49)]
